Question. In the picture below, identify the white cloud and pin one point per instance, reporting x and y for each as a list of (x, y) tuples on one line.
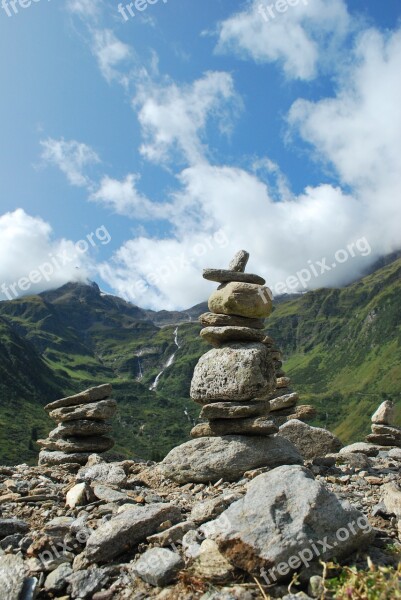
[(86, 9), (174, 118), (71, 157), (125, 199), (110, 53), (298, 39), (28, 246), (357, 132)]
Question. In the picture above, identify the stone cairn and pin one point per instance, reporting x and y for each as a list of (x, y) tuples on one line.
[(384, 431), (241, 384), (82, 427)]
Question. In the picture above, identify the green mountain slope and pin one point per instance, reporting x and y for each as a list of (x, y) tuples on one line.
[(342, 348)]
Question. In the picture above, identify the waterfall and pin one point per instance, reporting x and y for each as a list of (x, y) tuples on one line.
[(168, 363)]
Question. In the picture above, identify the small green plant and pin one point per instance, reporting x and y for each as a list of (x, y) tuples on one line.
[(375, 583)]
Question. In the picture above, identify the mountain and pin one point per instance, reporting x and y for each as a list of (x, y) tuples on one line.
[(342, 350)]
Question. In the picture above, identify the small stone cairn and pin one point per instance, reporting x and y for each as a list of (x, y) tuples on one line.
[(384, 432), (82, 427)]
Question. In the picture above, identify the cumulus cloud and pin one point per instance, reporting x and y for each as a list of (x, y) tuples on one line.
[(173, 118), (110, 53), (32, 261), (124, 198), (298, 39), (71, 157), (358, 134)]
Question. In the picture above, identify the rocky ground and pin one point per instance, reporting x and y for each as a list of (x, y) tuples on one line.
[(55, 543)]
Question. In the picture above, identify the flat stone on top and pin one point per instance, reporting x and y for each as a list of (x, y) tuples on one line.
[(91, 395), (225, 276)]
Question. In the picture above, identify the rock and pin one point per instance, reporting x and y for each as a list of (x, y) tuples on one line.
[(12, 576), (77, 495), (283, 382), (383, 440), (212, 508), (79, 428), (210, 459), (211, 565), (233, 410), (252, 426), (128, 529), (84, 584), (286, 401), (385, 414), (391, 497), (212, 320), (287, 519), (302, 412), (357, 460), (108, 494), (47, 457), (191, 543), (103, 410), (242, 299), (59, 526), (395, 453), (56, 581), (112, 474), (12, 526), (235, 372), (364, 448), (394, 432), (217, 336), (91, 395), (172, 535), (225, 276), (239, 261), (78, 444), (311, 442), (158, 566), (12, 541)]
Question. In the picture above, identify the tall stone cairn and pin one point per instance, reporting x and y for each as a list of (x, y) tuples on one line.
[(384, 431), (240, 383), (82, 427)]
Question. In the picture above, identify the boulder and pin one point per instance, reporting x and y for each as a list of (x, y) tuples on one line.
[(91, 395), (310, 441), (56, 581), (286, 520), (217, 336), (212, 320), (250, 426), (128, 529), (385, 414), (209, 459), (103, 410), (234, 410), (13, 574), (225, 276), (235, 372), (158, 566), (242, 299)]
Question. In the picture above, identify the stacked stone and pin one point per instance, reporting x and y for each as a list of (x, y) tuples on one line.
[(384, 431), (82, 427), (283, 403), (234, 380)]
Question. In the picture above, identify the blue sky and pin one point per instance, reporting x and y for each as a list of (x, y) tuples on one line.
[(194, 129)]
